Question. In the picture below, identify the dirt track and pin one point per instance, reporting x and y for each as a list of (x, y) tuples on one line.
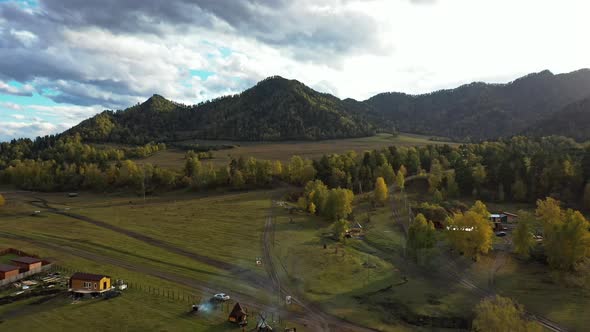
[(313, 311), (154, 272), (310, 319), (243, 273), (450, 269)]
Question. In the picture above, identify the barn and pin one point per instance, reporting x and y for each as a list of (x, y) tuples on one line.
[(8, 271), (28, 263)]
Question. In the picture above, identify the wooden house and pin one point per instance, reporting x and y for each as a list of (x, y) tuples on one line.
[(238, 315), (355, 230), (8, 271), (89, 283), (511, 217), (28, 263), (497, 220)]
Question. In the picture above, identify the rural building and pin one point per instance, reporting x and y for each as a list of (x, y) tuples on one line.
[(511, 217), (28, 263), (355, 230), (498, 220), (8, 271), (89, 283), (238, 315)]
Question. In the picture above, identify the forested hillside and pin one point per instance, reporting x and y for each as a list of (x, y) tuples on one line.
[(481, 111), (572, 121), (274, 109), (279, 109)]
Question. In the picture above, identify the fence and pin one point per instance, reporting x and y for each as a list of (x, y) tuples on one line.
[(17, 252), (171, 294), (23, 275)]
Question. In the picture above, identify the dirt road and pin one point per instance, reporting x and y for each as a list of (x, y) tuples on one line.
[(313, 311), (450, 269)]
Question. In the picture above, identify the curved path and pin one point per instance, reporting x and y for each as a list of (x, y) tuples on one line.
[(451, 269), (246, 274), (326, 321)]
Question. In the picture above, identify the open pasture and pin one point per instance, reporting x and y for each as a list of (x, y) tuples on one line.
[(174, 158)]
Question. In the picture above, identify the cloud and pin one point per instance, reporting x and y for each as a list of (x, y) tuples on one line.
[(11, 106), (112, 54), (18, 116), (26, 38), (11, 129), (68, 113), (300, 25), (25, 90), (423, 2), (86, 55)]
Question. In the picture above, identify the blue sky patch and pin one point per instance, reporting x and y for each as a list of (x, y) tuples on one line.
[(201, 73)]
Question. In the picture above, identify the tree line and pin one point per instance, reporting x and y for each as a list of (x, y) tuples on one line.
[(516, 169)]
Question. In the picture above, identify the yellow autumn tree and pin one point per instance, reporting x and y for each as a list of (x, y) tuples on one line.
[(480, 208), (522, 237), (381, 193), (549, 212), (400, 179), (277, 168), (495, 314), (2, 200), (470, 233)]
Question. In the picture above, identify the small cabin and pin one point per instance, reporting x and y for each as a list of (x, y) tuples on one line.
[(28, 263), (355, 230), (497, 220), (8, 271), (511, 217), (89, 283), (238, 315)]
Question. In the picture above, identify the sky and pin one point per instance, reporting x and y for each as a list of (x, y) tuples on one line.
[(62, 61)]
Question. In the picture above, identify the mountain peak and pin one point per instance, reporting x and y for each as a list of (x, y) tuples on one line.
[(157, 103)]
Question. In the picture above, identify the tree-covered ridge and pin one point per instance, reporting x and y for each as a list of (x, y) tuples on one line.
[(482, 111), (572, 121), (274, 109)]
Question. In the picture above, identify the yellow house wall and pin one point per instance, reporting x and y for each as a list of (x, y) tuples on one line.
[(79, 284)]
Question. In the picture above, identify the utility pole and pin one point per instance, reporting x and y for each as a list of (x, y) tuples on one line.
[(143, 172)]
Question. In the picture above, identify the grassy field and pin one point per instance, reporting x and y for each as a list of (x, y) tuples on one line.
[(533, 284), (366, 281), (202, 243), (182, 242), (283, 151)]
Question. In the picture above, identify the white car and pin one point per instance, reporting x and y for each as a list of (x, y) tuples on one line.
[(221, 297)]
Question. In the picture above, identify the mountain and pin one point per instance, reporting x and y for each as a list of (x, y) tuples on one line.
[(274, 109), (572, 121), (480, 110), (282, 109)]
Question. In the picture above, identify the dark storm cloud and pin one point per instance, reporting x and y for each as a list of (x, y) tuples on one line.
[(34, 48), (278, 22)]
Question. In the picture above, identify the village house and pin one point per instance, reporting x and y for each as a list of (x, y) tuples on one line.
[(355, 230), (497, 219), (511, 217), (8, 271), (89, 283), (28, 263)]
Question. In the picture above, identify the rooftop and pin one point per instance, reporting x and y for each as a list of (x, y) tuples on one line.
[(88, 276), (7, 268), (26, 260)]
